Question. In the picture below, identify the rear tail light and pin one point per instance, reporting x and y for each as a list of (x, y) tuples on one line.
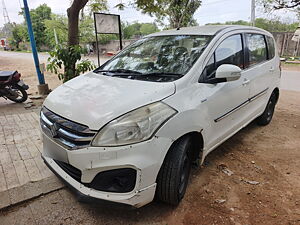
[(17, 76)]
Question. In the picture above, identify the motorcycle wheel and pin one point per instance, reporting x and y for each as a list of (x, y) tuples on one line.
[(17, 94)]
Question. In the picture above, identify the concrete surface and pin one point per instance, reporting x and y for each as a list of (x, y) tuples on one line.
[(23, 175)]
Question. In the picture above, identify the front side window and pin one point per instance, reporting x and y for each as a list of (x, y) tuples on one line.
[(257, 48), (271, 47), (158, 58), (230, 51)]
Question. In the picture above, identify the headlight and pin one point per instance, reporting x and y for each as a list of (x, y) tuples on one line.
[(135, 126)]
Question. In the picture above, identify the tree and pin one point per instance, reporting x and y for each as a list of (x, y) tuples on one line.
[(59, 25), (271, 5), (148, 28), (178, 12), (19, 34), (38, 17), (73, 17), (97, 6), (281, 4), (274, 25), (69, 55), (138, 29)]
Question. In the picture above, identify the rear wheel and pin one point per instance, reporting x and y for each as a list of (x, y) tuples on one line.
[(174, 174), (16, 93), (267, 115)]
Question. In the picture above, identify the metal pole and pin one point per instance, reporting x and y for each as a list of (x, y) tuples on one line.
[(120, 33), (33, 45), (253, 12), (97, 44)]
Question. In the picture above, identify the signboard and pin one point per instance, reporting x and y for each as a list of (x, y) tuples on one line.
[(107, 24)]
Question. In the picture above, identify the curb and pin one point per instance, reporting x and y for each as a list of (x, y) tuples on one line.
[(29, 191)]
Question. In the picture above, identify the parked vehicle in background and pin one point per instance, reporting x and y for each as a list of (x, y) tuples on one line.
[(12, 87), (132, 128), (4, 44)]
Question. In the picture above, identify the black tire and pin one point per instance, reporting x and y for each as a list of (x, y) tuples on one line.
[(22, 97), (267, 115), (174, 174)]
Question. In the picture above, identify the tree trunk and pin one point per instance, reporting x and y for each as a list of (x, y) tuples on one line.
[(73, 17), (73, 35)]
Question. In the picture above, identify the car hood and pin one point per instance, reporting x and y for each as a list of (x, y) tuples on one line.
[(94, 99)]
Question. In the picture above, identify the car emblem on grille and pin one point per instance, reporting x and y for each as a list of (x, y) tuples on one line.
[(54, 129)]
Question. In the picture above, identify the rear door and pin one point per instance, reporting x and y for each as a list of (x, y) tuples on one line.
[(259, 71)]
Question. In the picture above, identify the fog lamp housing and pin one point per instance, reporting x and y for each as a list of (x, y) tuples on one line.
[(116, 181)]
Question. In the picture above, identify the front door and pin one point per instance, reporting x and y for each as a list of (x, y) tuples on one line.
[(226, 101)]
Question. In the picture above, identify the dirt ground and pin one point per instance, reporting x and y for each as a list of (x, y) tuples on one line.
[(253, 178)]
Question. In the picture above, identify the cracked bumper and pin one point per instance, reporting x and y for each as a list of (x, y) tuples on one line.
[(146, 158)]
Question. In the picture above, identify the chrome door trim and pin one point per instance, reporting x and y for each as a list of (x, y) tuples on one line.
[(242, 105)]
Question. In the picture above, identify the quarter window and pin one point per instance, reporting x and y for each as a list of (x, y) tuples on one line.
[(271, 47), (257, 48), (230, 51)]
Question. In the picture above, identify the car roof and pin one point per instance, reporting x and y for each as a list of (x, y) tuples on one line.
[(204, 30)]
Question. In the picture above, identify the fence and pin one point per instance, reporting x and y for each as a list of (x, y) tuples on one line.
[(285, 45)]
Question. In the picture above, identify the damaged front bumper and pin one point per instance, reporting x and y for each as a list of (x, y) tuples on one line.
[(145, 158)]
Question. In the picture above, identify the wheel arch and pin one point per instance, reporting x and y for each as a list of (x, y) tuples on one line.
[(197, 145), (276, 91)]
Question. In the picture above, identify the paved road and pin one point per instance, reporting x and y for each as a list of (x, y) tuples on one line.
[(42, 56), (290, 79)]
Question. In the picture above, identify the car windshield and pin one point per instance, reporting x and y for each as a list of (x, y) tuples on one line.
[(160, 58)]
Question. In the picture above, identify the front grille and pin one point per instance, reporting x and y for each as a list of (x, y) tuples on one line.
[(71, 170), (65, 132)]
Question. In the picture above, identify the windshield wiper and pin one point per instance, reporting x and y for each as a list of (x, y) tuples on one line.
[(164, 74), (155, 74), (119, 71)]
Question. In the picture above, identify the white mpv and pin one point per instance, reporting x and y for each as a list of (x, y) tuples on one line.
[(130, 130)]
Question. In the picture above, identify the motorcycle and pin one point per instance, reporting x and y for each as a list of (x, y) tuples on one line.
[(12, 87)]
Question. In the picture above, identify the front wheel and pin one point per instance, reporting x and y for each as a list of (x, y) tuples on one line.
[(174, 174), (267, 115), (16, 93)]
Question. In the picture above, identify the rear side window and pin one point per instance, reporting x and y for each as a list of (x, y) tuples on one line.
[(257, 48), (230, 51), (271, 47)]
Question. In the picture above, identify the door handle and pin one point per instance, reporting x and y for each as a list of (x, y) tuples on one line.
[(272, 69), (246, 81)]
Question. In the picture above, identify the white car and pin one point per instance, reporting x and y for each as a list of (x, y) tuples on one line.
[(131, 129)]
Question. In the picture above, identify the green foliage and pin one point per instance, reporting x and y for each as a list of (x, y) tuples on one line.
[(271, 5), (97, 6), (179, 13), (274, 25), (280, 4), (138, 29), (148, 28), (59, 24), (86, 30), (38, 17), (19, 34), (68, 59)]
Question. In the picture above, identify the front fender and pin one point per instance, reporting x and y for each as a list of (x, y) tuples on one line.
[(183, 123)]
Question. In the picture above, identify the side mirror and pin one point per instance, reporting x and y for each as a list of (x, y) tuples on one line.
[(229, 72)]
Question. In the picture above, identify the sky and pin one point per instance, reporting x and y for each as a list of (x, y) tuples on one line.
[(211, 11)]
